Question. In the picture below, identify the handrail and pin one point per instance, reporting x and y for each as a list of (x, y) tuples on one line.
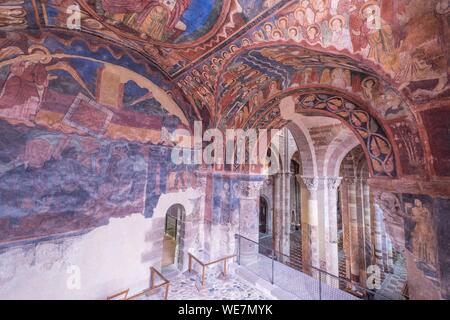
[(150, 290), (165, 282), (206, 264), (345, 280), (122, 293)]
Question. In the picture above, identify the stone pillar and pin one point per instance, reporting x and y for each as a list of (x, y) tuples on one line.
[(285, 214), (350, 185), (310, 245), (378, 237), (277, 213), (331, 227), (346, 229), (281, 210), (368, 208), (360, 212), (249, 220), (390, 255)]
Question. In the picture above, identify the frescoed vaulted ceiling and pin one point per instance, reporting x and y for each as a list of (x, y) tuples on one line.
[(141, 65)]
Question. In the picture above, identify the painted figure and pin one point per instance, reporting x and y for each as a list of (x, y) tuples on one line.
[(340, 36), (157, 19), (23, 90), (423, 234)]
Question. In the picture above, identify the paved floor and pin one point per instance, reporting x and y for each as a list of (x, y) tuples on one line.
[(187, 286)]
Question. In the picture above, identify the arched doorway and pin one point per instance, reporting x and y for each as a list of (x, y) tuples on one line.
[(172, 235), (263, 216)]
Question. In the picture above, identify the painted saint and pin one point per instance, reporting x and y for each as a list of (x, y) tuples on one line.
[(22, 91), (157, 19)]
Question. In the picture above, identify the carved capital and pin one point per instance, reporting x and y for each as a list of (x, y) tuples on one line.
[(333, 183), (349, 180), (311, 183)]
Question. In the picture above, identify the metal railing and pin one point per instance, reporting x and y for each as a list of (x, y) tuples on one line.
[(304, 281)]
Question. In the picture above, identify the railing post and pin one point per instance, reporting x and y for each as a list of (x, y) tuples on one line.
[(239, 249), (152, 278), (320, 285), (273, 267)]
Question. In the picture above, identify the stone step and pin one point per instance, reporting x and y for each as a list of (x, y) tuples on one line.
[(170, 272), (264, 286)]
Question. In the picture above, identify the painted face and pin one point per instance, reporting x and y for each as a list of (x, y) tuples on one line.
[(169, 3), (300, 16), (308, 72), (268, 28), (276, 35), (337, 25), (312, 32), (370, 11), (418, 203), (293, 33), (257, 36), (282, 23), (245, 42), (370, 84)]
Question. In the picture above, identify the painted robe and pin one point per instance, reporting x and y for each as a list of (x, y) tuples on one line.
[(151, 17), (22, 91)]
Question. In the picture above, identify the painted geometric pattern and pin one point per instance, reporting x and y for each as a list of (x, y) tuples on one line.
[(377, 144)]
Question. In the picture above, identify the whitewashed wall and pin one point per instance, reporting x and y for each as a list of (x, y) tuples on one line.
[(109, 259)]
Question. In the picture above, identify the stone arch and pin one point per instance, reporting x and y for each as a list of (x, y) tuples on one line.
[(381, 99), (189, 228), (336, 153), (297, 101), (305, 148)]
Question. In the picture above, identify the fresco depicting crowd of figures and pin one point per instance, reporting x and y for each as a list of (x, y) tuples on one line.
[(409, 66)]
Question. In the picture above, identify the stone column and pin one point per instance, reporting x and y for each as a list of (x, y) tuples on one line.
[(390, 255), (346, 229), (350, 185), (286, 214), (331, 227), (378, 236), (277, 214), (368, 208), (249, 220), (310, 245), (360, 211)]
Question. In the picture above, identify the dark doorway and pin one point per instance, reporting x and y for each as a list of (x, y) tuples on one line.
[(263, 212)]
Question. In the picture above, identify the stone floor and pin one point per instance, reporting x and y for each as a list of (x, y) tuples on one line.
[(187, 286)]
